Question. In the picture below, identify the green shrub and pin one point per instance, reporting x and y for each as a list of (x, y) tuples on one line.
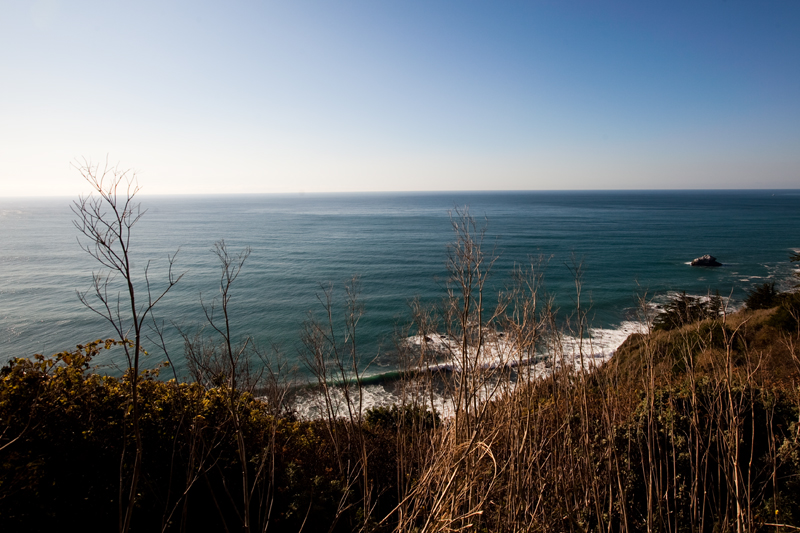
[(66, 441), (762, 297)]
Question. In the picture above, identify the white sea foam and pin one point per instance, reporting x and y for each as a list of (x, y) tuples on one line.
[(498, 352), (311, 403)]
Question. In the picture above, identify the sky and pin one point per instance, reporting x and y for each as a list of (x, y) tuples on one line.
[(256, 96)]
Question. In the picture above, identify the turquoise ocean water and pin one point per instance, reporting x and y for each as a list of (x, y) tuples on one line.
[(629, 242)]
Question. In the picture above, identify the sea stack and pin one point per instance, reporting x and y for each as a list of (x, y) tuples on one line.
[(706, 261)]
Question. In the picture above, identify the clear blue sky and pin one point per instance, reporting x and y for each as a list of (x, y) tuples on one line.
[(262, 96)]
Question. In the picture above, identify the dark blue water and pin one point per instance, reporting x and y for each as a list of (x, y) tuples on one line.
[(628, 243)]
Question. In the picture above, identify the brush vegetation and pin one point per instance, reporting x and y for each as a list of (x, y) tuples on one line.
[(691, 429)]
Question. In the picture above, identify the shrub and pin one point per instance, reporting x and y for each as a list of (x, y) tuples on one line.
[(762, 297)]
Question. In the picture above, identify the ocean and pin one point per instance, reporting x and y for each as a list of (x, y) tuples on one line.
[(629, 243)]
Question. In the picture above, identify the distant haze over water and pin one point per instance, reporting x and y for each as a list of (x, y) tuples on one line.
[(628, 242)]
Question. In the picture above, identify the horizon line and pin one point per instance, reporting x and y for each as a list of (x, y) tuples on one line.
[(142, 192)]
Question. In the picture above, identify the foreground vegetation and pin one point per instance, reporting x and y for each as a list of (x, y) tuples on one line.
[(691, 429)]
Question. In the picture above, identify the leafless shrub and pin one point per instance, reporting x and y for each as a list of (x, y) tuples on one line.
[(107, 222)]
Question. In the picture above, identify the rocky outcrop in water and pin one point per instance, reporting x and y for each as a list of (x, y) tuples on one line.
[(706, 261)]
